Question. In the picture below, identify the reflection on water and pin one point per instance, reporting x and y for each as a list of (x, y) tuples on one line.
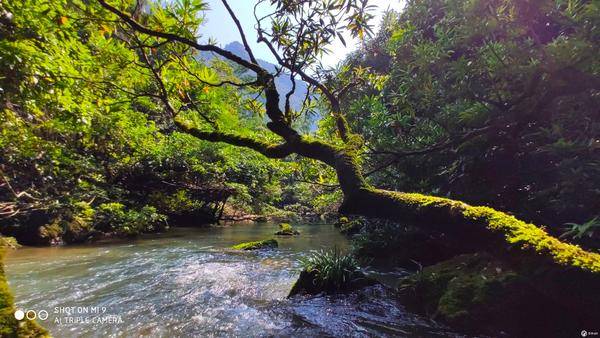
[(187, 283)]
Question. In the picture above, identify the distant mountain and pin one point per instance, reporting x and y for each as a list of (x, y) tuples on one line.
[(282, 82)]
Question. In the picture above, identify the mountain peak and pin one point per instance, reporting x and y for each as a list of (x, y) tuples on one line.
[(237, 48)]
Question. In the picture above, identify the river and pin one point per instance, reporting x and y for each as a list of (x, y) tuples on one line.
[(188, 283)]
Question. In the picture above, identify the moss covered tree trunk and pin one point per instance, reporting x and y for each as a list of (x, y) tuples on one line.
[(563, 272)]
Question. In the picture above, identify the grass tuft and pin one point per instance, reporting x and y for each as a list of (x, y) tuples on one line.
[(332, 269)]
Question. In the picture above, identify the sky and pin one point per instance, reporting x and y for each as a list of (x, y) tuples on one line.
[(219, 26)]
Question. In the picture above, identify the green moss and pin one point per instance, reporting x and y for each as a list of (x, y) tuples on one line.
[(9, 242), (461, 289), (352, 227), (286, 229), (527, 236), (265, 244), (516, 232), (9, 326)]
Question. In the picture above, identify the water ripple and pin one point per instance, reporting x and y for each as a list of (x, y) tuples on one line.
[(193, 286)]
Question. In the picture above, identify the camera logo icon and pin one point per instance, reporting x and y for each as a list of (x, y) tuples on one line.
[(19, 315), (31, 314)]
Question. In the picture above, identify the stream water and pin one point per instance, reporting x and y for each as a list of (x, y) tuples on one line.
[(187, 283)]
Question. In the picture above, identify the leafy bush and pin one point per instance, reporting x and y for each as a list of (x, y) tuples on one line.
[(332, 269), (8, 242), (176, 203), (115, 217), (491, 100), (378, 236)]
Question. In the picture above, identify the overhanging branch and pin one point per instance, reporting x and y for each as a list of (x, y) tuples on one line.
[(174, 37), (267, 149)]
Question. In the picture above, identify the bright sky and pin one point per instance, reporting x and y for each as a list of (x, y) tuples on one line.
[(221, 27)]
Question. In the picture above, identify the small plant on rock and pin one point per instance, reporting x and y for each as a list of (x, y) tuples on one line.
[(331, 269)]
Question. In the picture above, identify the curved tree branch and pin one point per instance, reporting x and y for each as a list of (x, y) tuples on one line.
[(174, 37), (267, 149)]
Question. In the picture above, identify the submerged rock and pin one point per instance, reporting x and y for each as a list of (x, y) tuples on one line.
[(286, 229), (264, 244)]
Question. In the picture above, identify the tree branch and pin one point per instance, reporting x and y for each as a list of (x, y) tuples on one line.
[(398, 155), (267, 149), (242, 34), (261, 72)]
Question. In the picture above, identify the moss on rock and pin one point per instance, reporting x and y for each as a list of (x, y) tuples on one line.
[(476, 292), (342, 220), (264, 244), (286, 229), (352, 227)]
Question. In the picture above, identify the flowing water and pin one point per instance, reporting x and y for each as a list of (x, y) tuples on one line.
[(187, 283)]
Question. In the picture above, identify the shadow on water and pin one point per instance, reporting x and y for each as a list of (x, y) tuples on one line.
[(187, 283)]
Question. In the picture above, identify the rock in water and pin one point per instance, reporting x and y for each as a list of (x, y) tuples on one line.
[(286, 229), (307, 284), (265, 244)]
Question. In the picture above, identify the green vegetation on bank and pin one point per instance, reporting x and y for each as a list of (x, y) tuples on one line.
[(83, 139)]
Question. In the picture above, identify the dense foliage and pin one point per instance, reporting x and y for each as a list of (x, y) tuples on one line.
[(115, 122), (83, 138), (492, 102)]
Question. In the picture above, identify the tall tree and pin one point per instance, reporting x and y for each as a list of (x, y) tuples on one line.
[(296, 33)]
